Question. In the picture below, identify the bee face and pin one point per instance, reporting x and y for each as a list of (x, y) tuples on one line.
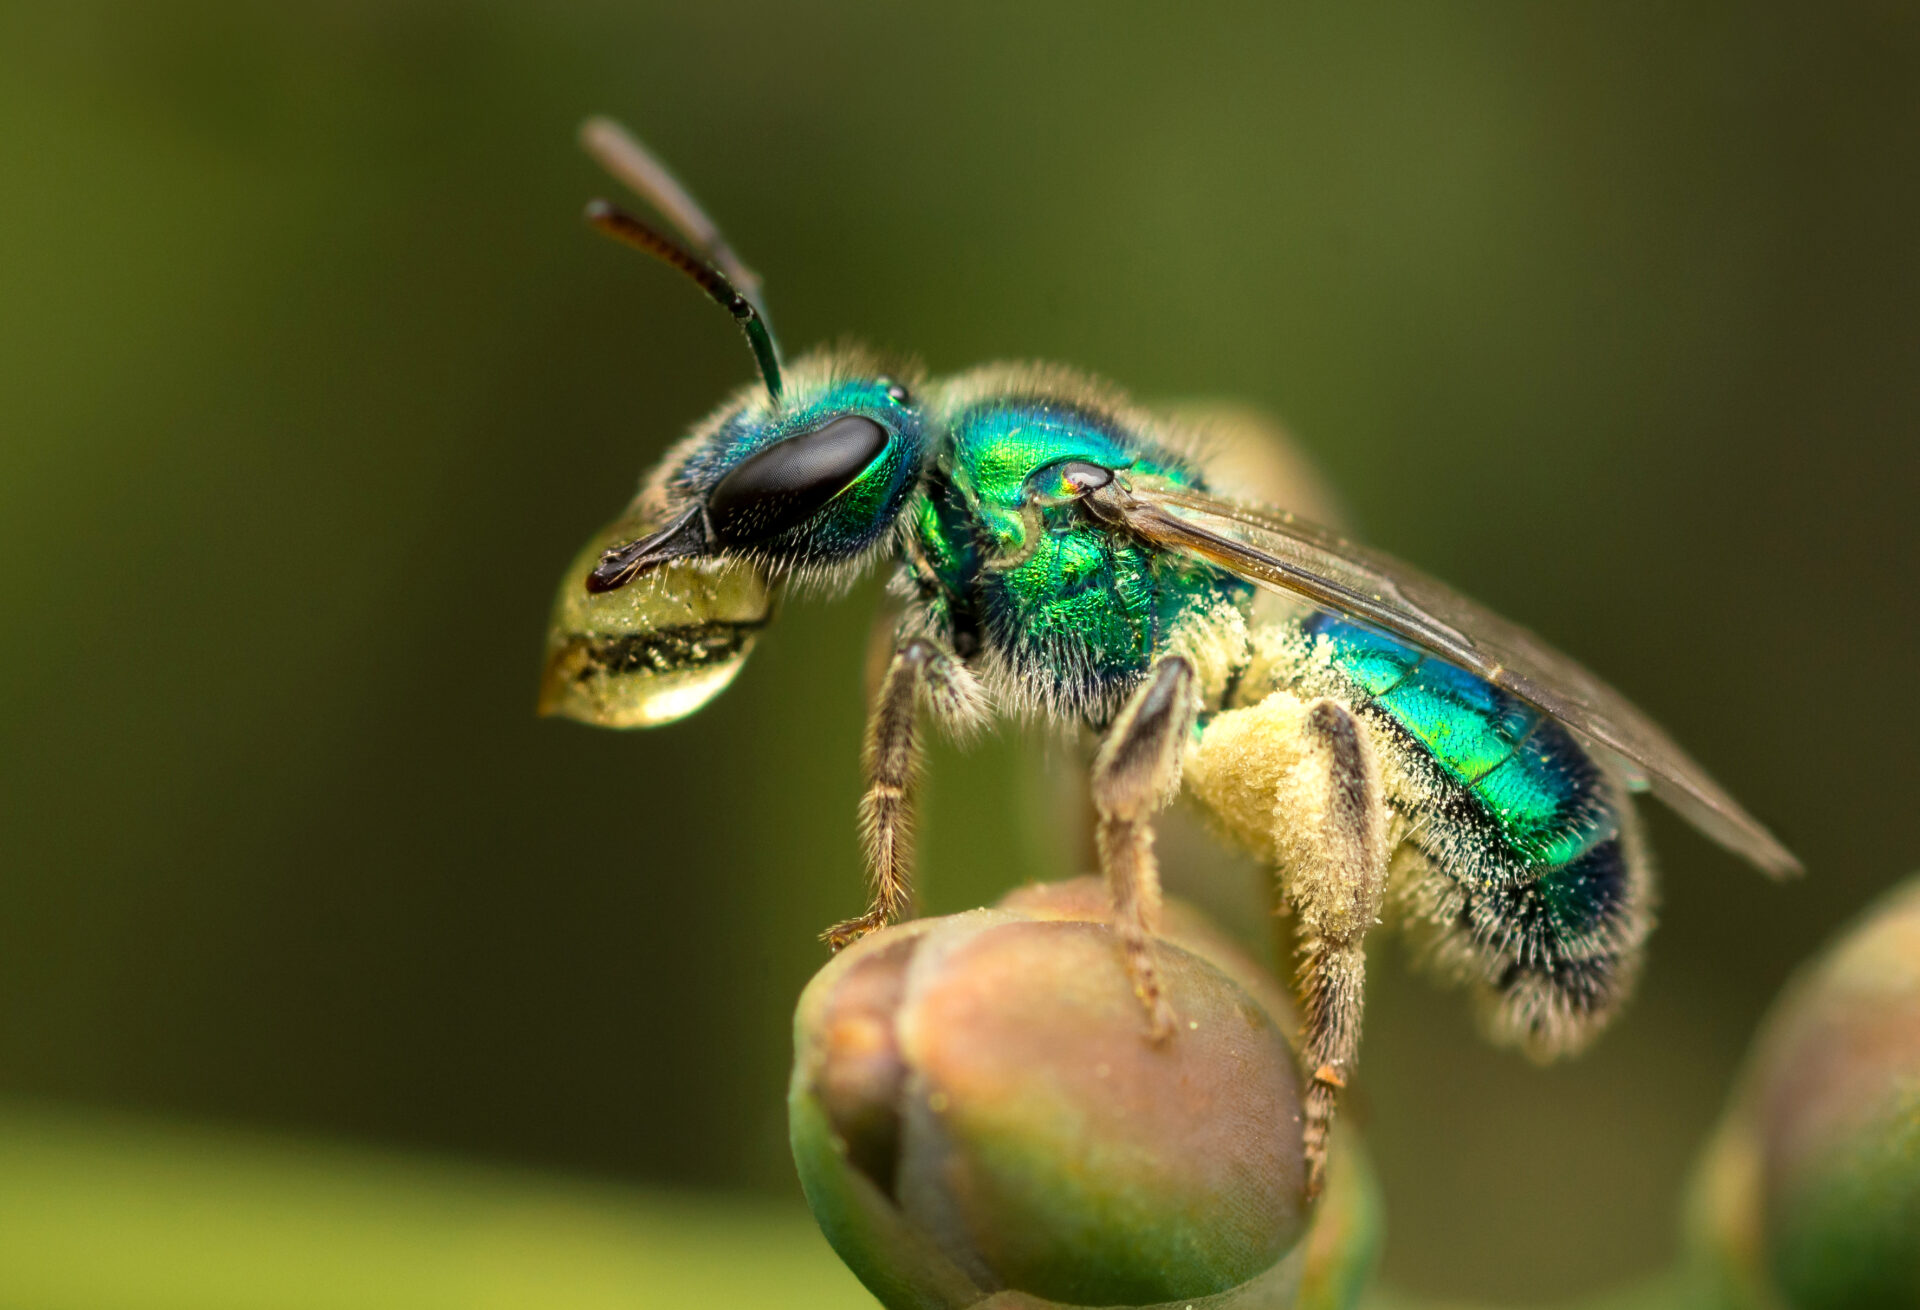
[(805, 489), (661, 608)]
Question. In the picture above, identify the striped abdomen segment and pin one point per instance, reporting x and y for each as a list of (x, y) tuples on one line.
[(1537, 888), (1511, 794)]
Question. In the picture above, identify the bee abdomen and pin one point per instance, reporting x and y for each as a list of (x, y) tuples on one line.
[(1529, 880), (1500, 792), (1561, 953)]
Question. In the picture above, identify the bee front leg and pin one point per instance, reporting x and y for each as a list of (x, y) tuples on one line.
[(1135, 772), (1331, 834), (892, 761)]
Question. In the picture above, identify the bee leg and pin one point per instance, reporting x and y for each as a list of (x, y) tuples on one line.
[(1134, 773), (892, 759), (1331, 834)]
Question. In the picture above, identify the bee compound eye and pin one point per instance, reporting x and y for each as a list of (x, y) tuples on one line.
[(784, 485)]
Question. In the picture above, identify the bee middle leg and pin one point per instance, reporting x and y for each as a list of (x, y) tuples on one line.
[(1331, 834), (892, 761), (1134, 773)]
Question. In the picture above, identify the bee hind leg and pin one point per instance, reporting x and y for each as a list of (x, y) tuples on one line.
[(1135, 772), (1331, 834)]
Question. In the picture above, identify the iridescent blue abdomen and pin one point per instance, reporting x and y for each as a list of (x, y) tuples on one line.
[(1510, 795)]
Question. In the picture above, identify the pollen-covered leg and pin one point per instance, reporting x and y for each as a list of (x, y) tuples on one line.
[(1331, 838), (892, 761), (1134, 774)]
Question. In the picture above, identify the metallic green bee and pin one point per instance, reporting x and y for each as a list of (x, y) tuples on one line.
[(1392, 748)]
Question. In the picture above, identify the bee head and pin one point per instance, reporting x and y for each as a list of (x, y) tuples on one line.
[(660, 609), (804, 488), (800, 478)]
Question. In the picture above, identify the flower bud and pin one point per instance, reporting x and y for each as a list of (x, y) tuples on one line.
[(1810, 1193), (980, 1120)]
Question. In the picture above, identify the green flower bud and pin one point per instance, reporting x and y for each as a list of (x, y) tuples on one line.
[(1810, 1193), (979, 1120)]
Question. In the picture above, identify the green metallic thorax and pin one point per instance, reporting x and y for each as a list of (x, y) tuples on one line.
[(1069, 612)]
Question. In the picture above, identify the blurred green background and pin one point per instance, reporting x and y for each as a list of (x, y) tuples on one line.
[(312, 380)]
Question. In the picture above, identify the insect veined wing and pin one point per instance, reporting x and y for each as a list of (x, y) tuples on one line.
[(1284, 553)]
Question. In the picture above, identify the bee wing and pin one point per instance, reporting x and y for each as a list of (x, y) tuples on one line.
[(1284, 553)]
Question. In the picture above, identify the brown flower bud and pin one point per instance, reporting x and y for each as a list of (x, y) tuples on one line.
[(979, 1119)]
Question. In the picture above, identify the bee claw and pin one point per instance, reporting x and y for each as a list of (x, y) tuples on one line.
[(1316, 1176), (843, 935)]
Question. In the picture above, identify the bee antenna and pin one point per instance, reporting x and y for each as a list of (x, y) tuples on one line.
[(622, 226), (705, 255)]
